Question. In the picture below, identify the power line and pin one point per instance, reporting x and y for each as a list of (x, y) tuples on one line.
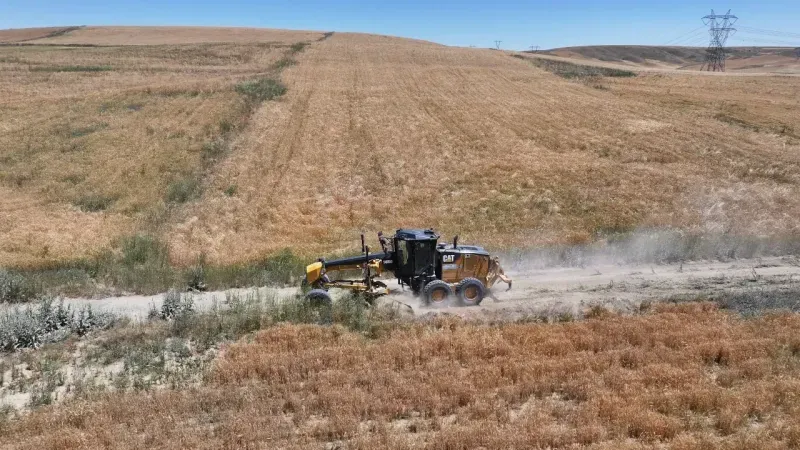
[(768, 41), (720, 26), (751, 30), (695, 42), (679, 38), (692, 38)]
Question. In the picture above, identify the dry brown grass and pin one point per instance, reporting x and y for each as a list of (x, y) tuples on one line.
[(26, 34), (374, 133), (755, 60), (377, 132), (178, 35), (112, 127), (684, 377)]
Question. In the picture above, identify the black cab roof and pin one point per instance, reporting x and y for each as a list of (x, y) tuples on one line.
[(416, 235)]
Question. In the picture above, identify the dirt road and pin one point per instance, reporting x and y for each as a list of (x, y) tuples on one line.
[(625, 287), (762, 282)]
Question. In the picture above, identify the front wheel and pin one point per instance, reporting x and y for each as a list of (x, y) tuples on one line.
[(437, 293)]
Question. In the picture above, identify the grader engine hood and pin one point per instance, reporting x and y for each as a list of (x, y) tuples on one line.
[(313, 272)]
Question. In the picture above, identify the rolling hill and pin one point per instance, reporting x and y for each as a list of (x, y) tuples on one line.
[(170, 155), (111, 132), (742, 59)]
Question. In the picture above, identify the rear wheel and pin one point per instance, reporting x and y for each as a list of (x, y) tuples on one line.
[(437, 293), (470, 292), (320, 305)]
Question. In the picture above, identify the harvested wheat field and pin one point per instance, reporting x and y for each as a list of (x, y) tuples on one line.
[(372, 133), (749, 60), (176, 35), (101, 142), (377, 132), (29, 34), (682, 376)]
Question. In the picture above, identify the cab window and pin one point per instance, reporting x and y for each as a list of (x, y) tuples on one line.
[(402, 251)]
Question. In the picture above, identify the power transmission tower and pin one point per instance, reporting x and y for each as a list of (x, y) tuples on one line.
[(497, 44), (534, 48), (720, 27)]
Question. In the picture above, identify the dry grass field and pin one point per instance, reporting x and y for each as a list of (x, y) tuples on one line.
[(373, 133), (176, 35), (775, 60), (179, 154), (681, 376), (377, 132), (94, 139), (27, 34)]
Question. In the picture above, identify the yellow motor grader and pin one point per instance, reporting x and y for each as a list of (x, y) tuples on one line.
[(438, 272)]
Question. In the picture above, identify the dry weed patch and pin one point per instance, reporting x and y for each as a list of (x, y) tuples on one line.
[(686, 376)]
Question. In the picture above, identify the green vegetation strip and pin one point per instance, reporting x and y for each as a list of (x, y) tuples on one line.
[(576, 71), (71, 68), (141, 264), (261, 90)]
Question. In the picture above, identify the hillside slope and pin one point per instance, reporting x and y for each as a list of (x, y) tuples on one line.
[(18, 35), (173, 35), (97, 143), (378, 132), (742, 59), (374, 132)]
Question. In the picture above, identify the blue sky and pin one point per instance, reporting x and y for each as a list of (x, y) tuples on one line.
[(519, 24)]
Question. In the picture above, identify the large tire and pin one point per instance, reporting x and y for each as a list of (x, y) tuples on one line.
[(470, 292), (321, 305), (437, 293)]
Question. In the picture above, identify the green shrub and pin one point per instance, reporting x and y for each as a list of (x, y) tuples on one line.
[(176, 306), (225, 126), (94, 203), (142, 249), (213, 150), (70, 68), (283, 268), (298, 47), (283, 63), (231, 190), (15, 288), (183, 190), (46, 322), (570, 70), (238, 316), (261, 90)]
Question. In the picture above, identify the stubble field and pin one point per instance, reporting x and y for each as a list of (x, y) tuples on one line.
[(165, 147), (373, 133), (681, 376)]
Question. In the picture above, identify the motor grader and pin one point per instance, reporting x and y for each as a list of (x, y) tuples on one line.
[(438, 272)]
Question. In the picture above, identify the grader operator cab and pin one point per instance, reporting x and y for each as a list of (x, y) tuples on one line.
[(437, 271)]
